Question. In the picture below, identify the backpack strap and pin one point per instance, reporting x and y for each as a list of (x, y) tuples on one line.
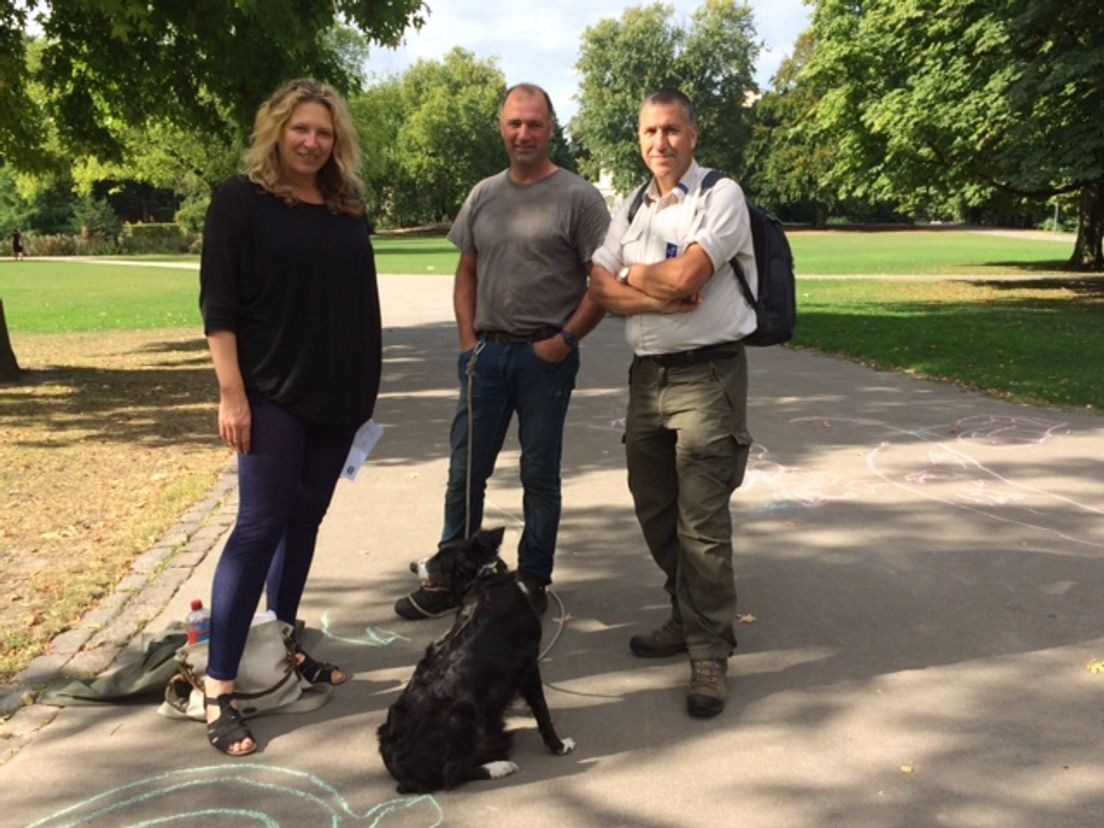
[(637, 200), (708, 180), (711, 178)]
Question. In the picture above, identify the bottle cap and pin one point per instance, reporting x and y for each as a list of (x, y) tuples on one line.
[(197, 604)]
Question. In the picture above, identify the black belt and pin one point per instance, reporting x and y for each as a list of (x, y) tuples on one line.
[(723, 350), (506, 338)]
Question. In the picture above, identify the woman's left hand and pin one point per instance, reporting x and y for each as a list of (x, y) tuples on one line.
[(235, 420)]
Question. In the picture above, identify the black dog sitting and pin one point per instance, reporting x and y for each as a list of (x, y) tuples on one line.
[(447, 726)]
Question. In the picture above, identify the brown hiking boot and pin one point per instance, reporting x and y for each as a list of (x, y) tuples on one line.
[(708, 687), (667, 640)]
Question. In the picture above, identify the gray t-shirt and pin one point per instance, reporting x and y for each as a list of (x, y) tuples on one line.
[(532, 242)]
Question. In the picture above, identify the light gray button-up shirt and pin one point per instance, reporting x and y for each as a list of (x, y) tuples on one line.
[(716, 219)]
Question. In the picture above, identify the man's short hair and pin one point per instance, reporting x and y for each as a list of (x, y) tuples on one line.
[(669, 95), (530, 89)]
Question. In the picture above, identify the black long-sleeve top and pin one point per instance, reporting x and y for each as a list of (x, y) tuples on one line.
[(297, 286)]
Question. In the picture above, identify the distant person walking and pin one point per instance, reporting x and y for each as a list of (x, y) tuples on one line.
[(291, 313), (525, 237), (686, 440), (17, 245)]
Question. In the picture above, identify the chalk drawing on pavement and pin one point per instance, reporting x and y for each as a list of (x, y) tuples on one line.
[(264, 795), (797, 487), (372, 637), (939, 455)]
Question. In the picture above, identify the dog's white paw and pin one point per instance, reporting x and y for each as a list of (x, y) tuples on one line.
[(497, 770), (568, 746)]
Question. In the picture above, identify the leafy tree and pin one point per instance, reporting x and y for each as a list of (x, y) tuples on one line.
[(40, 204), (113, 64), (94, 217), (429, 135), (15, 212), (971, 100), (450, 138), (20, 115), (379, 112), (620, 61), (786, 166), (165, 171)]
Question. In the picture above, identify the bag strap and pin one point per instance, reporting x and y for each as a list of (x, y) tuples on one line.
[(246, 696), (189, 673), (637, 200), (711, 178)]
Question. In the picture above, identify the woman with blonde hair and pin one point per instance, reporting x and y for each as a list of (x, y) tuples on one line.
[(291, 313)]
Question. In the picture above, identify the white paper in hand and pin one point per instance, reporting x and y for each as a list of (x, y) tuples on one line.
[(363, 442)]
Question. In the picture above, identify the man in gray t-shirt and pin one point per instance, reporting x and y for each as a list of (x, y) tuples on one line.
[(526, 237)]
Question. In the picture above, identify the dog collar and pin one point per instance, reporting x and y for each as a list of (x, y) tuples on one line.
[(494, 566)]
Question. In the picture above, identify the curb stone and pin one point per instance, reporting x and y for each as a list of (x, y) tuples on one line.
[(91, 647)]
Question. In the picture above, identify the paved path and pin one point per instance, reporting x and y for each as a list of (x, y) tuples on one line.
[(921, 569)]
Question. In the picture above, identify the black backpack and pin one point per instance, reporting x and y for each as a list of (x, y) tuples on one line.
[(776, 305)]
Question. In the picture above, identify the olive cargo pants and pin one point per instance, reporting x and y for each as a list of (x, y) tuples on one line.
[(686, 448)]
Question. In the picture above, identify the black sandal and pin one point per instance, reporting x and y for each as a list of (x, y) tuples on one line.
[(318, 673), (229, 728)]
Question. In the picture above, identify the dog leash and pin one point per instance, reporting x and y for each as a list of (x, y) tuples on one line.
[(470, 372), (559, 627), (471, 434)]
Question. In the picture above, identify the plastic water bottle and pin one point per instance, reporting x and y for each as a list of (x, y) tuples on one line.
[(198, 623)]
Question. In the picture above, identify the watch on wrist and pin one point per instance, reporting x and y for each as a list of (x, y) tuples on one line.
[(569, 338), (623, 275)]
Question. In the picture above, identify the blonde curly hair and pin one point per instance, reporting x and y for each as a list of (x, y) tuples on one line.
[(339, 180)]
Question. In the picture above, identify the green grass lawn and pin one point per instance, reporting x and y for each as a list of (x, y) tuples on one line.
[(59, 297), (934, 252), (433, 254), (1026, 341)]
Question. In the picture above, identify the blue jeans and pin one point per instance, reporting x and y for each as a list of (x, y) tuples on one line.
[(284, 488), (511, 378)]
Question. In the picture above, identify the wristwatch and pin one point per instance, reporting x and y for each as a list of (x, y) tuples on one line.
[(569, 338), (623, 275)]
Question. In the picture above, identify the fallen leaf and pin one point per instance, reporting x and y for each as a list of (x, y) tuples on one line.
[(1095, 666), (746, 618), (906, 768)]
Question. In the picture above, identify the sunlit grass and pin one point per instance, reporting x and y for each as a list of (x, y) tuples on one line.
[(1032, 341)]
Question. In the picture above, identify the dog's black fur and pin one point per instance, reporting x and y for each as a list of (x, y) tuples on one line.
[(447, 726)]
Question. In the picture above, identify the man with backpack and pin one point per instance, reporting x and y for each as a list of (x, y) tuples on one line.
[(667, 268)]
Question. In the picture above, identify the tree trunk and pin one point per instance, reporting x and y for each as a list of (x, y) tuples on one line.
[(1087, 253), (9, 368), (820, 221)]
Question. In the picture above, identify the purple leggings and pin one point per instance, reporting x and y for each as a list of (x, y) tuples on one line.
[(284, 488)]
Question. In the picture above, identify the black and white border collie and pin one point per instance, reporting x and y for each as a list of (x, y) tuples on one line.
[(447, 726)]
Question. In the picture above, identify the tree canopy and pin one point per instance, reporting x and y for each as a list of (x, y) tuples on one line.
[(620, 61), (786, 167), (979, 98), (428, 135), (111, 65)]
